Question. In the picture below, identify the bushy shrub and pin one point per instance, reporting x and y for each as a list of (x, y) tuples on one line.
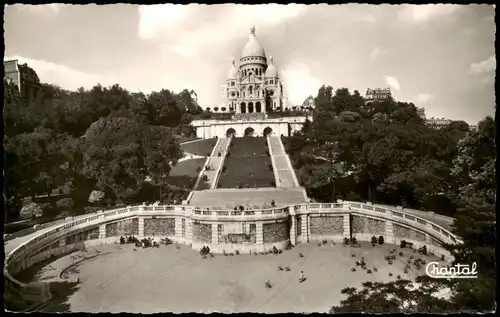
[(380, 240), (374, 240), (403, 244)]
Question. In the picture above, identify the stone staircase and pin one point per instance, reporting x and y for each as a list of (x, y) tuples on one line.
[(214, 164), (283, 170)]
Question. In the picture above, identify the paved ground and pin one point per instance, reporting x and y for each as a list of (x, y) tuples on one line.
[(179, 280), (248, 197)]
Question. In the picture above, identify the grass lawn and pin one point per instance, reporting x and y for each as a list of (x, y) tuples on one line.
[(201, 147), (180, 280), (248, 146), (184, 174), (247, 171), (247, 165)]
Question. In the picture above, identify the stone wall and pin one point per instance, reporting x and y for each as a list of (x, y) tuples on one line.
[(358, 224), (123, 228), (202, 232), (159, 227), (407, 233), (88, 234), (375, 226), (275, 232), (436, 243), (326, 226)]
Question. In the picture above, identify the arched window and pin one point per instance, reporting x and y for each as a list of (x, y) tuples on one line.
[(250, 90)]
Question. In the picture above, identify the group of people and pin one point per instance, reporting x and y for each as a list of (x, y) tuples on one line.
[(144, 243), (205, 250)]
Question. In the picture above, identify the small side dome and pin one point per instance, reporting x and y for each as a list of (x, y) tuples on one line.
[(271, 70), (233, 72)]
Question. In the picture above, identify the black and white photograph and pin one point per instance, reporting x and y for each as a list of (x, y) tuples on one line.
[(238, 158)]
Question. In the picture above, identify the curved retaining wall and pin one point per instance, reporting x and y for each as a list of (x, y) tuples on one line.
[(223, 231)]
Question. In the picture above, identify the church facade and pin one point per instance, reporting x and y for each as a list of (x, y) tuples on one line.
[(253, 85)]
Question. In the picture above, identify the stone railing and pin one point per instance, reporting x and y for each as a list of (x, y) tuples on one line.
[(19, 258)]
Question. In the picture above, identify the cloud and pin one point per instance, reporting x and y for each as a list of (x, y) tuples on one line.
[(486, 66), (43, 9), (393, 82), (299, 82), (423, 13), (377, 52), (67, 77), (183, 50), (424, 98), (200, 26)]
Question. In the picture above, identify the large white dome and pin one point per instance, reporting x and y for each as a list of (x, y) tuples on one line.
[(253, 47)]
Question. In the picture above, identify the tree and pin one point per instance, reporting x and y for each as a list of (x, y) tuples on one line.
[(474, 224), (223, 109), (216, 109)]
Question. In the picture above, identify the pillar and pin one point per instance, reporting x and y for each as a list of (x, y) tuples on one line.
[(305, 228), (293, 230), (260, 233), (215, 234), (102, 233), (389, 232), (189, 230), (347, 226), (141, 227), (178, 227)]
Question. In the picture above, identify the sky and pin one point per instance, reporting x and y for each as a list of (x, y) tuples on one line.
[(440, 57)]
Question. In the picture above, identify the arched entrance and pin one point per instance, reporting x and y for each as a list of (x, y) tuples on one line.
[(243, 108), (250, 107), (258, 107), (249, 131), (267, 131), (230, 132)]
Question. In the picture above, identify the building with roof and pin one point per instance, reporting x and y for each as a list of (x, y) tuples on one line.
[(378, 94), (253, 85), (252, 89), (24, 78)]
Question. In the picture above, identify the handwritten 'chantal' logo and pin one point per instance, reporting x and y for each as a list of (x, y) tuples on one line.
[(457, 271)]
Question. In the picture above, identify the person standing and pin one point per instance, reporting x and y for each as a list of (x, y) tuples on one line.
[(301, 276)]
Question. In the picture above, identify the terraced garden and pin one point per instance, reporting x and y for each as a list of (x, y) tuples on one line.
[(248, 165), (200, 147)]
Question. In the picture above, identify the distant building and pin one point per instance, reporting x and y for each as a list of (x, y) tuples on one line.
[(438, 123), (25, 78), (378, 94)]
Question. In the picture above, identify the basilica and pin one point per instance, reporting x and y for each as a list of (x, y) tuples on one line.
[(254, 85)]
